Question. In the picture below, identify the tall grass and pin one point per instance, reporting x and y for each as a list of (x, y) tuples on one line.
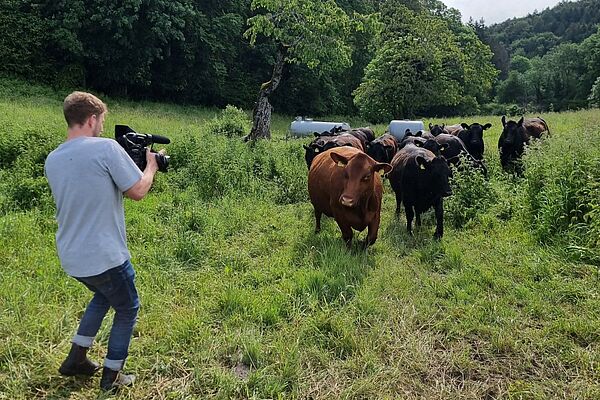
[(240, 299)]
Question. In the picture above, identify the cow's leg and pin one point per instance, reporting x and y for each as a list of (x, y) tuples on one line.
[(347, 233), (418, 218), (373, 229), (439, 219), (409, 217), (398, 203), (318, 220)]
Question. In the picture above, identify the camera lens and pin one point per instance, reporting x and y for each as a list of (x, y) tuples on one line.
[(163, 162)]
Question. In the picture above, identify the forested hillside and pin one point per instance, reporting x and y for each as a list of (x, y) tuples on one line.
[(547, 60)]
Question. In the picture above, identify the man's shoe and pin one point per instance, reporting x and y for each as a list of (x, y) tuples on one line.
[(113, 380), (77, 363)]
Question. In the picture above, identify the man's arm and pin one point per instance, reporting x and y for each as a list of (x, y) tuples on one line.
[(141, 187)]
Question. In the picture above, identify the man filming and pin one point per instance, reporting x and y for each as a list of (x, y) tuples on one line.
[(88, 176)]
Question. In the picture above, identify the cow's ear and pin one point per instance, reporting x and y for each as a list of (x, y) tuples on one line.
[(382, 168), (521, 121), (419, 134), (305, 147), (504, 120), (443, 126), (465, 125), (316, 134), (430, 126), (487, 126), (421, 162), (418, 144), (340, 160)]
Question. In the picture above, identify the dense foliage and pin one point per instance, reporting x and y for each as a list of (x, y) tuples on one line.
[(426, 63), (547, 60), (190, 51)]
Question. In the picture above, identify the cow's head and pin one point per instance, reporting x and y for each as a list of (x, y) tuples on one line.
[(436, 129), (472, 137), (359, 176), (380, 151), (436, 172), (512, 132), (311, 152)]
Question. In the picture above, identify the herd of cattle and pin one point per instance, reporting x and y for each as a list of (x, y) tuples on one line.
[(346, 169)]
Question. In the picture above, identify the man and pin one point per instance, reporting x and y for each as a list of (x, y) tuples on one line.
[(88, 176)]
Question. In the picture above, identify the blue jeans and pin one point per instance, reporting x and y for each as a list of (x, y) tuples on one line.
[(114, 288)]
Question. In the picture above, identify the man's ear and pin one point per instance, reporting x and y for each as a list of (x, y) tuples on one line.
[(340, 160)]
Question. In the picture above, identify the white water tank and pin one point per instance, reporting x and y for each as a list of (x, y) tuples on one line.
[(302, 126), (398, 128)]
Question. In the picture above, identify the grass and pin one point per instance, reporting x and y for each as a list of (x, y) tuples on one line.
[(240, 299)]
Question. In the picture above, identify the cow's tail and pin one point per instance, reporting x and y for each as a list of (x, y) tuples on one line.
[(545, 125)]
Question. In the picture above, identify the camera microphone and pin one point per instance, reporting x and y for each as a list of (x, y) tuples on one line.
[(159, 139)]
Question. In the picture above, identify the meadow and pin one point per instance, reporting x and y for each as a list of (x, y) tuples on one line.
[(240, 299)]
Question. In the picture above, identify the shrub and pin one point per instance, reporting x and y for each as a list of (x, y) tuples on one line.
[(472, 194), (562, 191), (231, 122)]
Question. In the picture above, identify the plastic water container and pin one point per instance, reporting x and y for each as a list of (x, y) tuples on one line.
[(306, 126), (398, 128)]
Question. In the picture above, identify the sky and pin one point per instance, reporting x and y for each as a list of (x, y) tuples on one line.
[(498, 10)]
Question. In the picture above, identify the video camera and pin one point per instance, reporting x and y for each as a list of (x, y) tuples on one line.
[(135, 145)]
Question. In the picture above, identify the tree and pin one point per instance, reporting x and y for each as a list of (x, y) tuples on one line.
[(310, 32), (425, 64)]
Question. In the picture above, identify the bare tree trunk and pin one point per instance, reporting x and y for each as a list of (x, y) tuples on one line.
[(261, 116)]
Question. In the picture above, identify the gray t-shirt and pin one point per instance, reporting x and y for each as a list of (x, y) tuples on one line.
[(88, 176)]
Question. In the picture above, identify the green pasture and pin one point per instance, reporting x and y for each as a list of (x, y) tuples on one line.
[(240, 299)]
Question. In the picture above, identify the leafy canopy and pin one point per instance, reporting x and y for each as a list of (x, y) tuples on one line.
[(314, 33)]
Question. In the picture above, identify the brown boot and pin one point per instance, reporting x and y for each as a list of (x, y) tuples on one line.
[(113, 380), (77, 363)]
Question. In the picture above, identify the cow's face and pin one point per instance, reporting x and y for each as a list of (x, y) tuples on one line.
[(511, 132), (358, 175), (311, 152), (437, 173), (436, 129), (380, 151), (472, 137)]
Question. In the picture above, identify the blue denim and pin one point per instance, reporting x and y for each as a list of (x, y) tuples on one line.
[(114, 288)]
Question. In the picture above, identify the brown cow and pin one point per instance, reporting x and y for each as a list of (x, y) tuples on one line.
[(343, 183)]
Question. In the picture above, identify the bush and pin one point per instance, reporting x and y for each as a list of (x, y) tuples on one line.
[(472, 194), (562, 181), (232, 122)]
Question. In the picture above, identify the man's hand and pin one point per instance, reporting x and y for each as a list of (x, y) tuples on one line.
[(151, 164), (141, 188)]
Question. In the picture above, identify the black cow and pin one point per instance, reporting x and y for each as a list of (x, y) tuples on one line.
[(437, 129), (420, 181), (472, 137), (455, 149), (383, 148), (514, 137)]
